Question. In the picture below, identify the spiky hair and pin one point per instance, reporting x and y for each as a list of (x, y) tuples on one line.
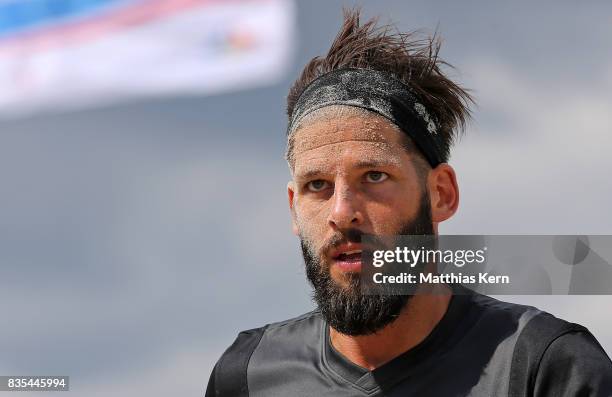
[(409, 57)]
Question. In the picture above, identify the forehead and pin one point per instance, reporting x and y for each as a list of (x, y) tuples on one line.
[(363, 136), (330, 126)]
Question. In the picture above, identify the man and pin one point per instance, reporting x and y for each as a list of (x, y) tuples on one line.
[(370, 130)]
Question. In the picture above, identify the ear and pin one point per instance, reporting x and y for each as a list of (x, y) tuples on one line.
[(291, 197), (443, 192)]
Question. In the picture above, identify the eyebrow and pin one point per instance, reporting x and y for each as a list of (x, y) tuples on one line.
[(365, 163), (315, 171)]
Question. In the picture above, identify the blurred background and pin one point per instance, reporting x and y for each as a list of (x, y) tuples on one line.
[(143, 215)]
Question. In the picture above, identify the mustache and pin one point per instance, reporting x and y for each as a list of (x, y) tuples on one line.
[(352, 235), (340, 237)]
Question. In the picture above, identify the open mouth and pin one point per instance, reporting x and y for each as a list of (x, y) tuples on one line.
[(348, 260), (349, 256)]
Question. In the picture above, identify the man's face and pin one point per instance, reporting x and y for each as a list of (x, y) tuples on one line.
[(351, 172), (353, 175)]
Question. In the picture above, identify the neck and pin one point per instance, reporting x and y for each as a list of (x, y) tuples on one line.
[(422, 313)]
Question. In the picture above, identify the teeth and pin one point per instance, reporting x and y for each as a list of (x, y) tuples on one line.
[(352, 252)]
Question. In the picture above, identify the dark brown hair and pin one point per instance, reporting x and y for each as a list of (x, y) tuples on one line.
[(407, 56)]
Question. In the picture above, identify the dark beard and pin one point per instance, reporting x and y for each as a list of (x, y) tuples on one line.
[(345, 308)]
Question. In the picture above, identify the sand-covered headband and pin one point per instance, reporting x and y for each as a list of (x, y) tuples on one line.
[(378, 92)]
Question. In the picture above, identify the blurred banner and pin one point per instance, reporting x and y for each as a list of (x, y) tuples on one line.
[(78, 53)]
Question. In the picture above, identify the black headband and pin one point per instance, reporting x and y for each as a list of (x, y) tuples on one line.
[(378, 92)]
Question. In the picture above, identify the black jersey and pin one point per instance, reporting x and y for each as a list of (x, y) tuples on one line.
[(481, 347)]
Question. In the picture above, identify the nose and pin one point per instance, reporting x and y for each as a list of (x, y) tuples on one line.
[(345, 212)]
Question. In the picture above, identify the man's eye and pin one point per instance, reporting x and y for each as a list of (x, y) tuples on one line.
[(316, 186), (376, 176)]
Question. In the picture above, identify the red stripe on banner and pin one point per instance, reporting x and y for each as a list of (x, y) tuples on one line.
[(99, 25)]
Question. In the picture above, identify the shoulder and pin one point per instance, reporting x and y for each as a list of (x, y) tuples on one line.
[(571, 363), (299, 321), (251, 338), (536, 330), (548, 356), (551, 356), (229, 374), (491, 305), (492, 318)]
